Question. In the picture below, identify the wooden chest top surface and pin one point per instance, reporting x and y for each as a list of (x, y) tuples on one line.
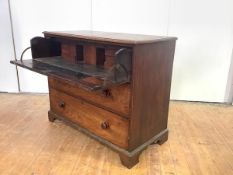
[(120, 38)]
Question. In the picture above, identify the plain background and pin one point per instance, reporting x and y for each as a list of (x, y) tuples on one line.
[(204, 29)]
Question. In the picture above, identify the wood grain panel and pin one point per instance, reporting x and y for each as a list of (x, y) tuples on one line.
[(118, 99), (110, 56), (68, 52), (108, 37), (152, 73), (101, 122), (89, 54)]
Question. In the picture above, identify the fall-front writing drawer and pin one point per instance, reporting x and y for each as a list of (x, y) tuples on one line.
[(98, 121), (116, 99)]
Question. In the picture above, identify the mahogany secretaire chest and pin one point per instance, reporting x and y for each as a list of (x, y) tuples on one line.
[(114, 87)]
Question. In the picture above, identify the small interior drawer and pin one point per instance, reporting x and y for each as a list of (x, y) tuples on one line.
[(116, 99), (98, 121)]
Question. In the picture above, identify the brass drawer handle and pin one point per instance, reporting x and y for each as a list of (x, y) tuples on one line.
[(105, 125), (61, 104)]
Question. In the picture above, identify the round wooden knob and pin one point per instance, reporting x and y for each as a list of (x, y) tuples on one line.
[(61, 104), (105, 125)]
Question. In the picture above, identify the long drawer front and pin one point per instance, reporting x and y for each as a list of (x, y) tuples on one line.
[(98, 121), (116, 99)]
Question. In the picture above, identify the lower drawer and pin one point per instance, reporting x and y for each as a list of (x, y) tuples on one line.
[(98, 121)]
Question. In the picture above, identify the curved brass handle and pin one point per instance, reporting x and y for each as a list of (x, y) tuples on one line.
[(105, 125), (61, 104)]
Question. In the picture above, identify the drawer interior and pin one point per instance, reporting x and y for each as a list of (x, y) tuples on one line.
[(93, 66)]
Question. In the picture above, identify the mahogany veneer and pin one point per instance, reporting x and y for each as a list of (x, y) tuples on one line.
[(116, 100), (113, 87)]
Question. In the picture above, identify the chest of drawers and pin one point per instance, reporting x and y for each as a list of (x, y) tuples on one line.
[(113, 87)]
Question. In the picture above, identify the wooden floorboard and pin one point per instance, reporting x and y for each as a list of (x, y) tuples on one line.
[(200, 142)]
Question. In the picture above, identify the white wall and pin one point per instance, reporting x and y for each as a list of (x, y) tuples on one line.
[(8, 78), (204, 30), (205, 39), (131, 16), (31, 18), (204, 48)]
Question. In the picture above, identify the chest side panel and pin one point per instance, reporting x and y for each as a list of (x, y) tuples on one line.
[(152, 71)]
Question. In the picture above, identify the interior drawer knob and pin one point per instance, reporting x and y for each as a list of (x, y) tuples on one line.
[(105, 125), (61, 104)]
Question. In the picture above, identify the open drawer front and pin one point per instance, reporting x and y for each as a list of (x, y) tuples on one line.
[(90, 77), (91, 65)]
